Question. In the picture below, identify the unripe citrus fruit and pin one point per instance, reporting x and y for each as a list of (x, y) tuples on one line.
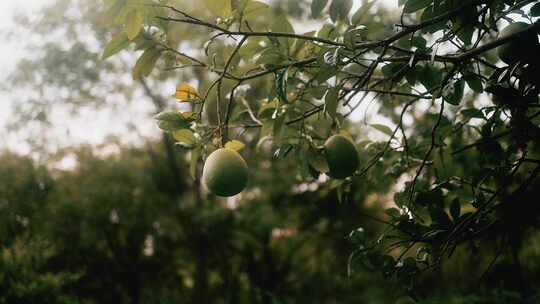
[(225, 172), (341, 156), (520, 48)]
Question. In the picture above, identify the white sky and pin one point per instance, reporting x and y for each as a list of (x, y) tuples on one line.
[(9, 55), (7, 11)]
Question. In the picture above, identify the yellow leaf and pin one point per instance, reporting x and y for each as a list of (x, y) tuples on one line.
[(235, 145), (186, 92), (187, 115), (185, 137)]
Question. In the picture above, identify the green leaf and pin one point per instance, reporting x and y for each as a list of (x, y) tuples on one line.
[(302, 162), (325, 73), (277, 129), (239, 5), (430, 77), (134, 23), (439, 216), (429, 13), (343, 192), (194, 160), (400, 198), (339, 10), (316, 7), (473, 113), (318, 91), (270, 56), (455, 209), (301, 49), (331, 102), (412, 74), (384, 129), (184, 137), (409, 263), (282, 25), (393, 212), (121, 14), (145, 64), (172, 120), (394, 70), (535, 10), (144, 41), (113, 9), (169, 116), (250, 48), (453, 93), (280, 84), (419, 42), (434, 198), (465, 33), (362, 11), (444, 130), (474, 82), (283, 151), (221, 8), (326, 31), (358, 236), (268, 109), (118, 42), (317, 160), (414, 5), (255, 9)]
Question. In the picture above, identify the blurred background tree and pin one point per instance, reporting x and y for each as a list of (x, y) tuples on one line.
[(125, 221)]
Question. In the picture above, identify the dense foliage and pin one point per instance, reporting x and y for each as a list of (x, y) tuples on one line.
[(114, 230)]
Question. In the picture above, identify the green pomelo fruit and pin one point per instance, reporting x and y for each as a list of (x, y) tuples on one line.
[(225, 172), (341, 155), (519, 49)]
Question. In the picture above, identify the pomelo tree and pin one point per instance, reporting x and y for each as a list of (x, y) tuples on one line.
[(456, 91)]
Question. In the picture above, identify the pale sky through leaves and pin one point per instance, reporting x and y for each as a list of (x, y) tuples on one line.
[(11, 52)]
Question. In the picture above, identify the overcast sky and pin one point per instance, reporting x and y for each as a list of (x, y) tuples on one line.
[(7, 10), (8, 56)]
